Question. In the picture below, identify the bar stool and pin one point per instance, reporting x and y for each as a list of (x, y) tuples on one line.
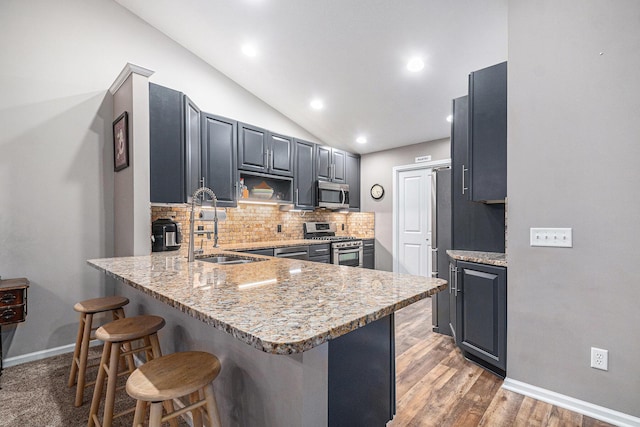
[(188, 373), (87, 309), (117, 334)]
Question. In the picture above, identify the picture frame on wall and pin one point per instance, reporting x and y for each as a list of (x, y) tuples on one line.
[(121, 142)]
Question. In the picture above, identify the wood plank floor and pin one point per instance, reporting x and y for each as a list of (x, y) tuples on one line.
[(436, 386)]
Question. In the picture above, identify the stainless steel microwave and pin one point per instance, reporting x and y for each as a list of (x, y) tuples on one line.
[(331, 195)]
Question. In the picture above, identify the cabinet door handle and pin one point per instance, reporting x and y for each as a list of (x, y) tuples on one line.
[(8, 314), (434, 262), (464, 187), (455, 277), (8, 298), (297, 198), (451, 285)]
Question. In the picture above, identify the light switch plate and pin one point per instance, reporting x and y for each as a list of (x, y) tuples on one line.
[(551, 237)]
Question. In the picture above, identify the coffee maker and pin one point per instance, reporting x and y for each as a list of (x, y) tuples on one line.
[(166, 235)]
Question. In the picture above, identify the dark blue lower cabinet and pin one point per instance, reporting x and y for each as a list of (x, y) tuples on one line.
[(362, 390), (481, 311)]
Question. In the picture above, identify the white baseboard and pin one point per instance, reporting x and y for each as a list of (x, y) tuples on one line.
[(580, 406), (43, 354)]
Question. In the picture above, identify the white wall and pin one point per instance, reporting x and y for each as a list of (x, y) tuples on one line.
[(377, 168), (573, 162), (56, 156)]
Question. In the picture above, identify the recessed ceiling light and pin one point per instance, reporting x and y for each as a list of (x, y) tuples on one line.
[(317, 104), (361, 140), (249, 50), (415, 64), (449, 118)]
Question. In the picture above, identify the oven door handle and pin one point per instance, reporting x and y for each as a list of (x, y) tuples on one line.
[(348, 251)]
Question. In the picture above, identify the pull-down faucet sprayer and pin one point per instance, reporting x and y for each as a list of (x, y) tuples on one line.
[(196, 195)]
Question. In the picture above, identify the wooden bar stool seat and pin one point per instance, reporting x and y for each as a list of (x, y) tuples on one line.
[(119, 337), (188, 373), (87, 309)]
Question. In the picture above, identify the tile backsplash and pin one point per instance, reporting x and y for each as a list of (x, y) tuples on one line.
[(256, 223)]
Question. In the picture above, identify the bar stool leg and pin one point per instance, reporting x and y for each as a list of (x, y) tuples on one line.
[(155, 418), (157, 352), (76, 352), (197, 413), (97, 391), (138, 417), (212, 406), (111, 386), (84, 354)]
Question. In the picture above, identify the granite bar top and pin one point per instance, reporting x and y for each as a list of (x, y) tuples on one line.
[(276, 305), (491, 258)]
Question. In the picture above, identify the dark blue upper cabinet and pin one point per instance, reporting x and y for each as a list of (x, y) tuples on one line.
[(353, 179), (280, 155), (324, 167), (331, 164), (262, 151), (219, 142), (304, 177), (488, 134), (192, 142), (174, 145), (252, 148), (475, 226)]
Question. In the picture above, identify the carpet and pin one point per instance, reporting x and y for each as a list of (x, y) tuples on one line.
[(35, 394)]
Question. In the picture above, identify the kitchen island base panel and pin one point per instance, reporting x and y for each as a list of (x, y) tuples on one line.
[(254, 388), (362, 376), (263, 389)]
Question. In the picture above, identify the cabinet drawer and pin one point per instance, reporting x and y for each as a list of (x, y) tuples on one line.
[(319, 250), (326, 259), (11, 297), (12, 314)]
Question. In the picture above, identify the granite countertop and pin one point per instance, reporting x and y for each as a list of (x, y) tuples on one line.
[(277, 305), (272, 244), (491, 258)]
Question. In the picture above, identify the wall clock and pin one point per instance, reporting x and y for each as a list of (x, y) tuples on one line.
[(377, 191)]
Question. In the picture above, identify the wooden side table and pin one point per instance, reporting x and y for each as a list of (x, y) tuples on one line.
[(13, 304)]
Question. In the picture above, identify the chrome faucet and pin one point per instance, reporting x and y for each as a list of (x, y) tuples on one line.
[(197, 194)]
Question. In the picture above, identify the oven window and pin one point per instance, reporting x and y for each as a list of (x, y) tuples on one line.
[(351, 259)]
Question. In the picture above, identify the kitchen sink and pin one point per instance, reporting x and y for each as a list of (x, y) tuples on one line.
[(229, 259)]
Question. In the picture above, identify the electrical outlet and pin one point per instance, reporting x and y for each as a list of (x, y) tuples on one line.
[(553, 237), (600, 358), (279, 228)]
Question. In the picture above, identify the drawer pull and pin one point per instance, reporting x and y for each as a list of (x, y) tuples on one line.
[(8, 314), (321, 250), (8, 298)]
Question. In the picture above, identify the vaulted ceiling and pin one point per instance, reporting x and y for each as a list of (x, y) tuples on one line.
[(350, 54)]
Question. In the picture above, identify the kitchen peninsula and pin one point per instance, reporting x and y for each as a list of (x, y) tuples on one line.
[(301, 343)]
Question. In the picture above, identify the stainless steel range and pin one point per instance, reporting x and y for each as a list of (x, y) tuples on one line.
[(345, 250)]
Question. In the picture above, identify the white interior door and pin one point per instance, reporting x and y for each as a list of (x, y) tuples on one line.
[(413, 212)]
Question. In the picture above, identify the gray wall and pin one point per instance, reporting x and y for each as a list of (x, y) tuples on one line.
[(378, 168), (573, 162), (56, 155)]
